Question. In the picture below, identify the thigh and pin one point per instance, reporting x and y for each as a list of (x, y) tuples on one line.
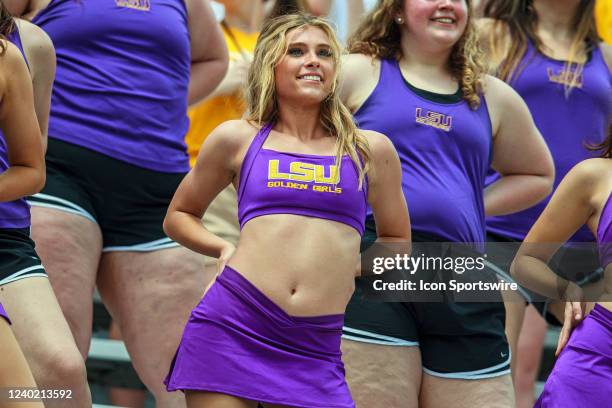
[(198, 399), (38, 323), (150, 296), (380, 353), (14, 369), (382, 376), (70, 246), (439, 392)]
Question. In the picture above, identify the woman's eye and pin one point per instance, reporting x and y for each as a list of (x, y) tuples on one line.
[(325, 53), (294, 52)]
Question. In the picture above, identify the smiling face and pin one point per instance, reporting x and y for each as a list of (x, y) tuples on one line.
[(440, 22), (307, 70)]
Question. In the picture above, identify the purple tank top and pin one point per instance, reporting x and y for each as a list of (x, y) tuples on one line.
[(444, 149), (604, 233), (13, 214), (122, 78), (568, 124), (274, 182)]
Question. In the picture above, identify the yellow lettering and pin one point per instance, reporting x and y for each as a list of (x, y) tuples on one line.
[(274, 174), (302, 171)]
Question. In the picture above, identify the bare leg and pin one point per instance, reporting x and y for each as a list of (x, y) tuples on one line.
[(382, 376), (530, 347), (515, 313), (124, 397), (487, 393), (14, 369), (150, 296), (70, 246), (46, 341), (196, 399)]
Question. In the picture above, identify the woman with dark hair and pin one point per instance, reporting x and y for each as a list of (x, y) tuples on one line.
[(22, 172), (582, 376), (550, 53), (415, 73), (126, 72)]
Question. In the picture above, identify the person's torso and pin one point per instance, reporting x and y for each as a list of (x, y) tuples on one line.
[(122, 78), (13, 214), (444, 148), (273, 182), (569, 121)]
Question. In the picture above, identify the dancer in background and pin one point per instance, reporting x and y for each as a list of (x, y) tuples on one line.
[(125, 75), (549, 52), (415, 73), (38, 324), (268, 329), (582, 376)]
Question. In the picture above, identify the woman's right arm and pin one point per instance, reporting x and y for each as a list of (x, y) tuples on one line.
[(26, 172), (215, 168)]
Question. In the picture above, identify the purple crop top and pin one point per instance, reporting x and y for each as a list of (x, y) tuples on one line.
[(274, 182), (604, 234)]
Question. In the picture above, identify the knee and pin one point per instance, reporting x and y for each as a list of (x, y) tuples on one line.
[(62, 367)]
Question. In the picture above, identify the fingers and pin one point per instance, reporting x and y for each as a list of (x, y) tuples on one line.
[(577, 310)]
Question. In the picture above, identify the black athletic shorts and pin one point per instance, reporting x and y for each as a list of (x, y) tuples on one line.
[(456, 340), (18, 258), (127, 202), (578, 264)]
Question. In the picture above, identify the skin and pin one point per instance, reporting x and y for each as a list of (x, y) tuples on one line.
[(318, 280), (139, 289), (556, 33), (519, 155), (25, 175), (579, 200)]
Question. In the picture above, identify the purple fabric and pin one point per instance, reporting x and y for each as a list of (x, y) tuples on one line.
[(444, 151), (238, 342), (568, 123), (604, 234), (122, 78), (274, 182), (3, 314), (582, 376), (13, 214)]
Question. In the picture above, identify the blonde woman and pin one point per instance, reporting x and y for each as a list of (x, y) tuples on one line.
[(268, 329), (416, 73)]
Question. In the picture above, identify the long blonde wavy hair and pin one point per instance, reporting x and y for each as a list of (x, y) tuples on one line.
[(379, 36), (261, 97)]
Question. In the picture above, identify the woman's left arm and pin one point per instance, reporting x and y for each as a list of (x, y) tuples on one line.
[(209, 57), (385, 194), (520, 154), (569, 208)]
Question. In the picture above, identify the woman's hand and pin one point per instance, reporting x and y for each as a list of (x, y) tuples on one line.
[(226, 253), (574, 311)]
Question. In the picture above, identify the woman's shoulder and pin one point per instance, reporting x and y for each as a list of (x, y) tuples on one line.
[(380, 145), (233, 134)]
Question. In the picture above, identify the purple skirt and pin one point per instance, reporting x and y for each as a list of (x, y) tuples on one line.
[(582, 376), (3, 314), (238, 342)]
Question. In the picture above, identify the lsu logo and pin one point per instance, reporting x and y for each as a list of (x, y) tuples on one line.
[(144, 5), (434, 119), (306, 172), (565, 77)]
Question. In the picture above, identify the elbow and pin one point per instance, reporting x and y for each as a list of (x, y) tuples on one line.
[(168, 227), (517, 271), (42, 179)]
